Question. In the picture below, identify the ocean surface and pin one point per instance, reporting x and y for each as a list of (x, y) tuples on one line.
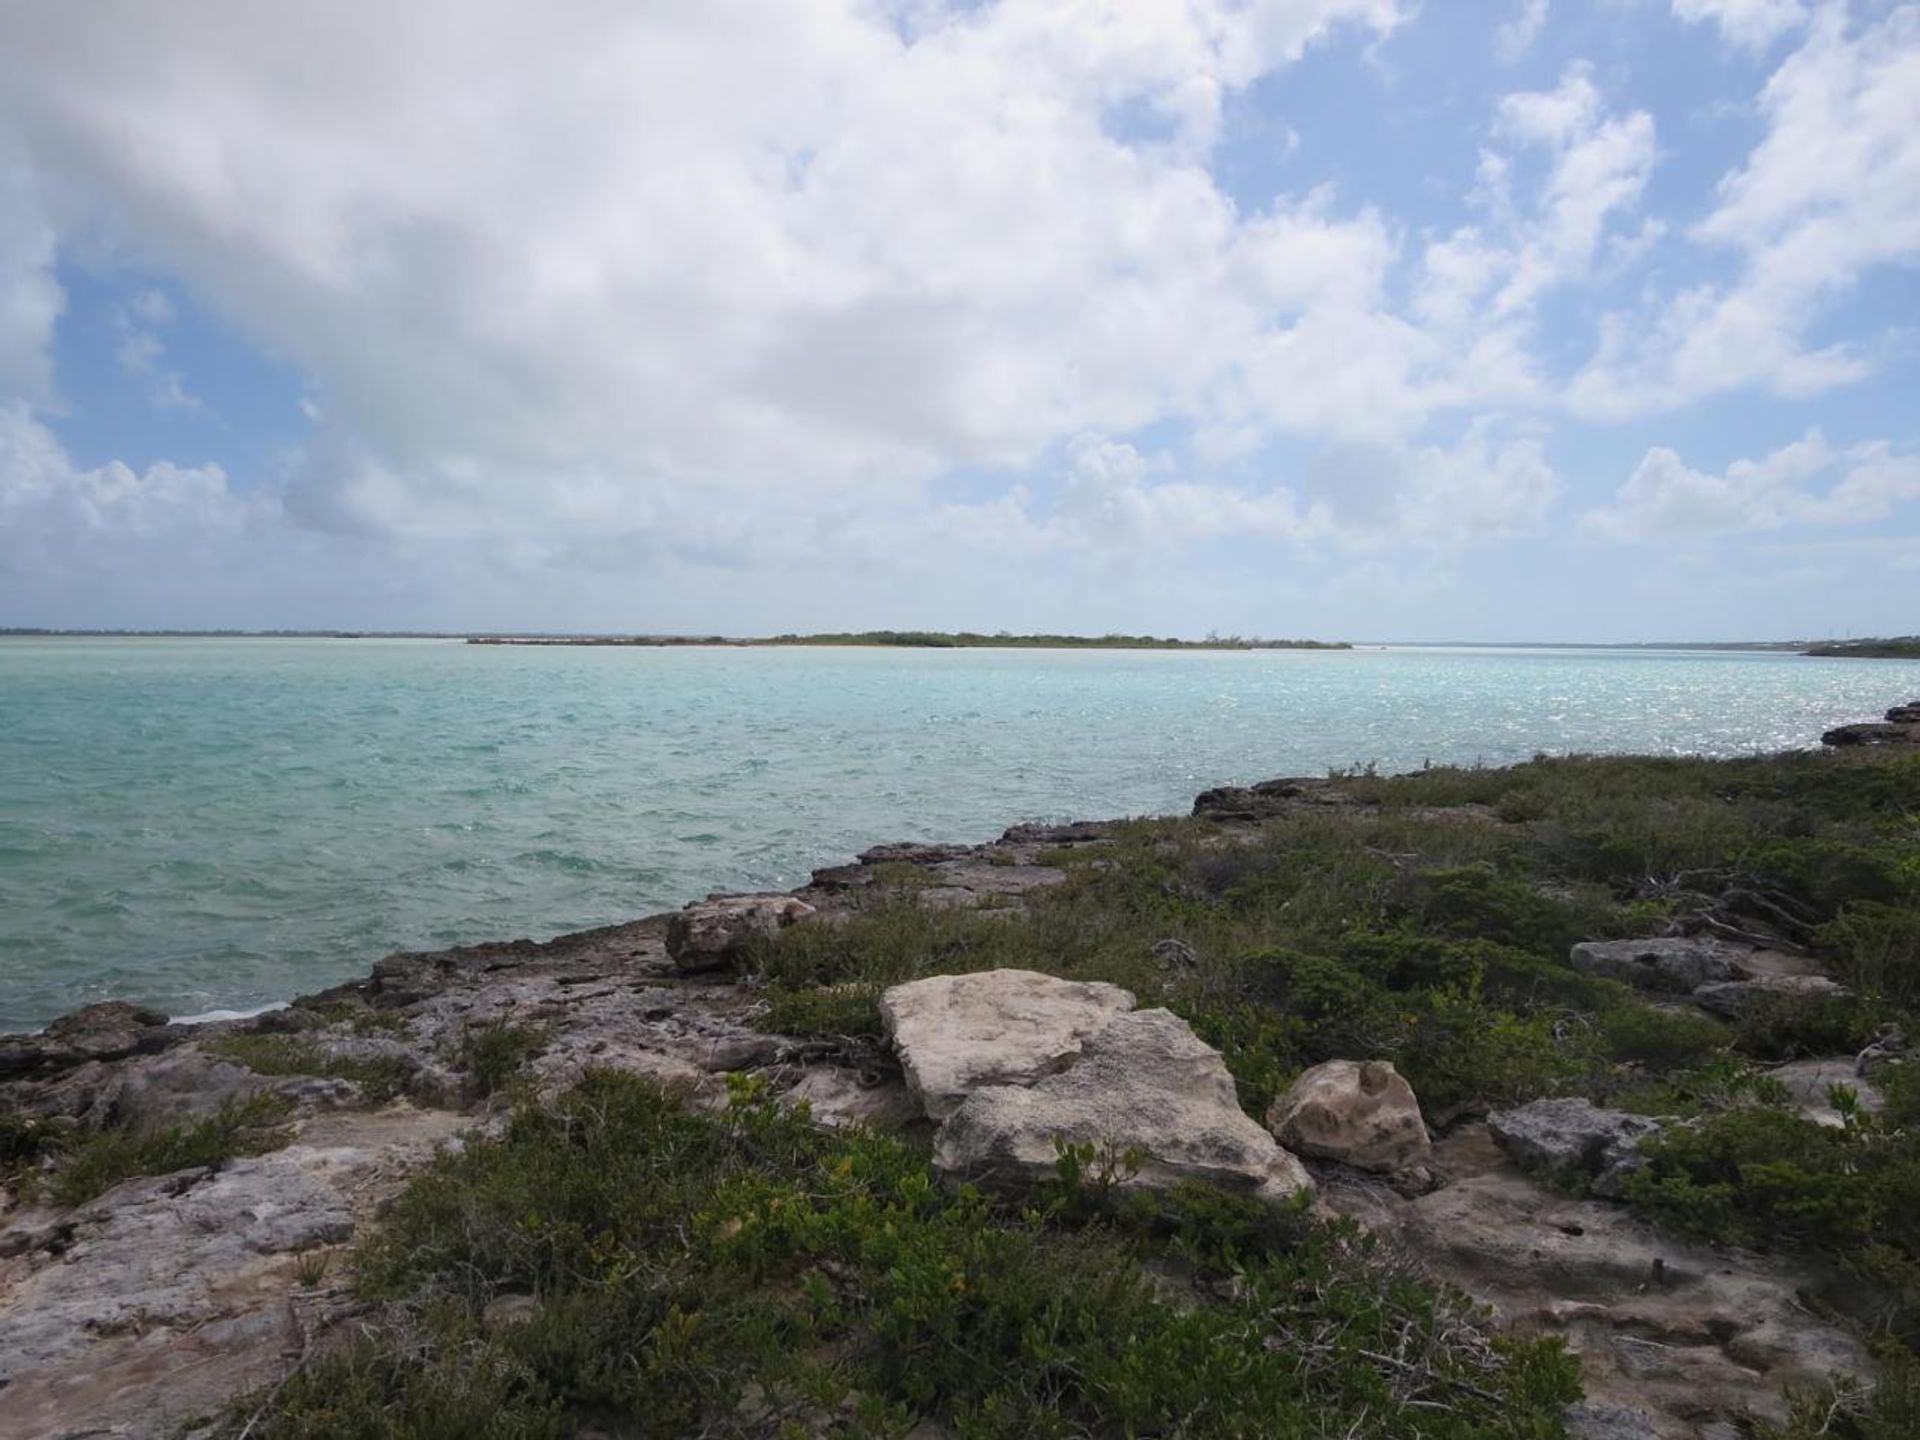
[(204, 824)]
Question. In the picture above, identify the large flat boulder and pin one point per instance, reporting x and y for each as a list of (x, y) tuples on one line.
[(1360, 1112), (960, 1033), (1674, 966), (711, 934), (1156, 1101)]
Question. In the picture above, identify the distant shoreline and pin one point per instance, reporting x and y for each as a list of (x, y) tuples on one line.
[(1897, 648), (924, 640), (1905, 647)]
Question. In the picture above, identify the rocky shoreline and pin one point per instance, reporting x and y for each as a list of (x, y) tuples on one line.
[(1901, 727), (145, 1309)]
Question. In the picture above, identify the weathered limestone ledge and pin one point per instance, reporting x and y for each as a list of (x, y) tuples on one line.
[(161, 1299)]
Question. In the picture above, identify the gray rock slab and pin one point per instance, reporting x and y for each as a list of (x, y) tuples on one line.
[(960, 1033), (1143, 1085)]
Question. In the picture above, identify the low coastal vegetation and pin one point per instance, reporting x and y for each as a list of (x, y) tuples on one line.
[(1898, 647), (89, 1163), (495, 1054), (620, 1261), (930, 640), (1005, 640), (1429, 923), (380, 1077), (616, 1259)]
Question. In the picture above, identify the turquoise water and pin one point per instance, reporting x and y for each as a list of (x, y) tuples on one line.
[(202, 824)]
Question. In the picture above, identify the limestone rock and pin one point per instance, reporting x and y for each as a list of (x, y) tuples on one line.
[(1736, 998), (1810, 1083), (1258, 802), (1074, 832), (182, 1084), (959, 1033), (1669, 966), (168, 1295), (909, 852), (1588, 1421), (1362, 1113), (1146, 1084), (1872, 732), (709, 934), (108, 1031), (1685, 1333), (839, 1097), (1888, 1047), (1573, 1140)]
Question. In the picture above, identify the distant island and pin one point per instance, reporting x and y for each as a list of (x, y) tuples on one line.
[(1898, 647), (930, 640)]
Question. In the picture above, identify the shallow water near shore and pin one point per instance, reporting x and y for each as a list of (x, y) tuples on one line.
[(208, 824)]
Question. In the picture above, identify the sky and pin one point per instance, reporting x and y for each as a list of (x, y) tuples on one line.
[(1364, 319)]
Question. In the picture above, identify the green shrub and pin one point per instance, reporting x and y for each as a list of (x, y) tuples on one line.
[(1462, 1051), (1878, 950), (1781, 1027), (362, 1019), (1723, 1082), (827, 1011), (26, 1141), (1479, 903), (1756, 1176), (1769, 1178), (496, 1052), (1846, 1409), (750, 1274), (1661, 1040), (106, 1157)]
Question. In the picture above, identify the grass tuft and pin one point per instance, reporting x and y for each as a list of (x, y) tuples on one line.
[(380, 1078), (106, 1157)]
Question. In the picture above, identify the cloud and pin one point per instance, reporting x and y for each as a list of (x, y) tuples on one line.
[(30, 297), (1806, 483), (59, 520), (1478, 288), (141, 353), (1487, 487), (1600, 167), (1831, 192), (838, 249), (593, 295), (1750, 24), (1516, 35), (1112, 501)]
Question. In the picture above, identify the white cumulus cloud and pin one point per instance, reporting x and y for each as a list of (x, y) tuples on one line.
[(547, 265), (1806, 483), (1831, 192), (1751, 24)]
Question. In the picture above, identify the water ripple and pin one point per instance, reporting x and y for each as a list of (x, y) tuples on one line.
[(216, 824)]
